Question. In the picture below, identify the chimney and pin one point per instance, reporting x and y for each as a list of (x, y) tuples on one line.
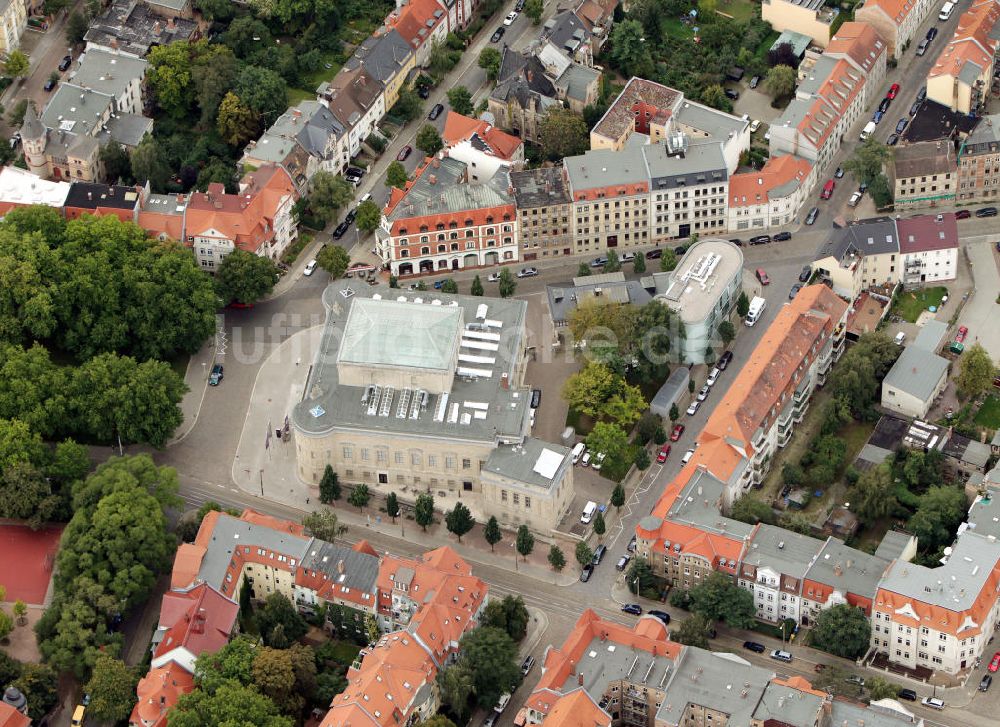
[(340, 565), (579, 679), (504, 381), (432, 179), (90, 195)]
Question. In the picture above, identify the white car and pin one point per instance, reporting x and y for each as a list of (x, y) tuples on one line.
[(704, 392), (585, 460), (627, 257), (598, 461), (687, 456), (494, 277), (754, 125), (511, 17), (713, 376), (310, 267), (527, 272), (693, 409)]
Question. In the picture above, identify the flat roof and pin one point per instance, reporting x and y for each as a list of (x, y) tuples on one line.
[(984, 514), (534, 462), (917, 371), (698, 504), (393, 333), (107, 72), (789, 552), (607, 168), (478, 408), (704, 275), (892, 545), (602, 662), (720, 681), (847, 569)]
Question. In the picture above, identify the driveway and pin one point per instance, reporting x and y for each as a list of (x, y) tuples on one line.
[(979, 312), (756, 103)]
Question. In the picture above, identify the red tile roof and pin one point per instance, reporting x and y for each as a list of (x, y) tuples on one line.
[(923, 233), (158, 691), (199, 621), (858, 41), (754, 188), (10, 717), (577, 709), (459, 128)]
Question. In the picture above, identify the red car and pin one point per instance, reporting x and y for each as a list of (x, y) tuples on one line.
[(962, 333), (404, 153), (664, 453), (963, 215), (995, 662), (676, 432), (893, 90)]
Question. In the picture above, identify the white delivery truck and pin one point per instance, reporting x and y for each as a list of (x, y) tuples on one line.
[(867, 131), (757, 306)]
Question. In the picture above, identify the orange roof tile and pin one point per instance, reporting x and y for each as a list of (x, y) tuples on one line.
[(459, 128), (187, 563), (860, 42), (10, 717), (158, 691), (577, 709), (895, 10), (754, 188), (200, 621)]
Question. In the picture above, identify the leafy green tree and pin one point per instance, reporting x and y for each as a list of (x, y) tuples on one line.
[(111, 689), (626, 406), (584, 554), (562, 133), (26, 494), (751, 510), (976, 372), (10, 668), (588, 389), (429, 140), (6, 624), (477, 287), (489, 61), (718, 598), (20, 611), (869, 160), (423, 510), (490, 655), (117, 165), (524, 542), (456, 684), (693, 631), (780, 81), (629, 50), (640, 577), (639, 264), (232, 663), (460, 99), (668, 261), (408, 106), (871, 497), (329, 488), (459, 520), (449, 286), (714, 95), (675, 413), (395, 175), (17, 64), (279, 611), (39, 684), (881, 688), (727, 332), (842, 630), (742, 305), (618, 497), (613, 263), (509, 615), (149, 165), (237, 124), (244, 277), (941, 510), (492, 532), (583, 270), (263, 91), (438, 720), (360, 496), (533, 9), (328, 194), (609, 439), (334, 259), (232, 703), (369, 216), (506, 284), (556, 558), (323, 524), (274, 676), (76, 27), (392, 506)]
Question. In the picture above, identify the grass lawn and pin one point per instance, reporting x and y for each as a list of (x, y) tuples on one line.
[(766, 43), (675, 29), (739, 10), (294, 95), (910, 305), (989, 413)]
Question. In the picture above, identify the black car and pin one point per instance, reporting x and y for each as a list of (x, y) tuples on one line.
[(662, 615), (349, 218), (436, 111), (536, 398), (892, 140), (680, 250), (587, 572), (497, 34), (901, 125), (811, 217), (527, 664), (839, 173), (424, 92), (631, 545), (754, 646), (922, 94), (985, 682), (760, 240), (754, 81), (341, 229), (599, 554), (794, 291), (654, 254), (65, 63), (519, 5), (914, 108), (354, 173), (50, 84), (986, 212), (884, 105), (216, 376), (732, 94), (805, 274), (863, 187), (932, 34), (782, 236), (736, 241), (724, 360), (633, 608), (908, 694)]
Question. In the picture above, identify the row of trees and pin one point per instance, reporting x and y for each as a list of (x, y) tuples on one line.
[(111, 552)]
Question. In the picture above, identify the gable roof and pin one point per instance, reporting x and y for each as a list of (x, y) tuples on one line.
[(779, 177), (923, 233), (482, 135), (193, 623)]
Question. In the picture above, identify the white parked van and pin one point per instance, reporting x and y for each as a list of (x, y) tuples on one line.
[(757, 306), (578, 451), (946, 10), (867, 131), (588, 512)]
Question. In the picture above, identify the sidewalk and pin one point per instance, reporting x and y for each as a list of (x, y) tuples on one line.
[(196, 377)]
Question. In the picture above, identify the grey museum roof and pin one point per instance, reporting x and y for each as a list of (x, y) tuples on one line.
[(478, 407), (530, 462), (956, 584), (230, 533), (916, 372), (391, 333)]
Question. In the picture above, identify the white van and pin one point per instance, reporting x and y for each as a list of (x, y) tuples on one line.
[(867, 131), (588, 512), (578, 451), (946, 10), (757, 306)]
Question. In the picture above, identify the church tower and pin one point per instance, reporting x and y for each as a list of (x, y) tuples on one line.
[(33, 138)]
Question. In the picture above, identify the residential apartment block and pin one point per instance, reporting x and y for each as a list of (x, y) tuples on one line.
[(120, 76), (357, 101), (442, 221), (774, 568), (924, 174), (834, 94), (423, 606), (962, 76), (544, 208), (896, 21), (481, 146), (812, 18), (13, 21), (979, 162), (132, 28), (771, 197), (427, 392), (928, 248)]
